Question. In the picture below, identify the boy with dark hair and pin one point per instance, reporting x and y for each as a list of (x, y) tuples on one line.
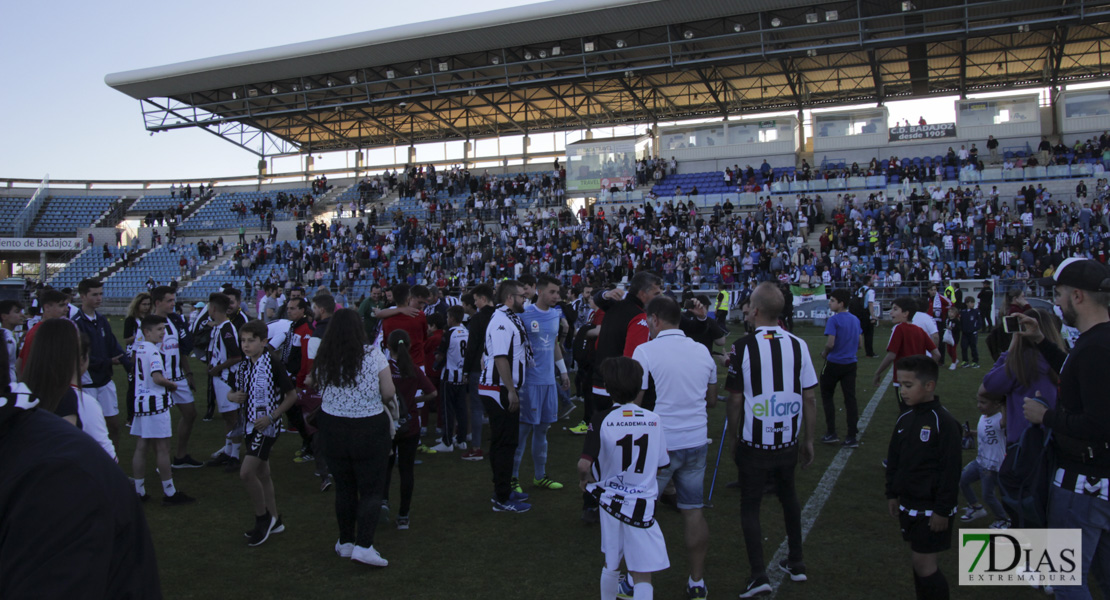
[(152, 423), (11, 318), (624, 450), (923, 473), (266, 392), (842, 333), (224, 357), (449, 356), (175, 348), (104, 352), (970, 322)]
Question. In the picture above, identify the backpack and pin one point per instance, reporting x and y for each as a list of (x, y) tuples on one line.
[(1025, 476), (857, 306)]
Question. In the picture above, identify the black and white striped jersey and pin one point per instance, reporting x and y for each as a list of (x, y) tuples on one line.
[(770, 367), (150, 398), (503, 338), (223, 346), (171, 351), (454, 345), (627, 447)]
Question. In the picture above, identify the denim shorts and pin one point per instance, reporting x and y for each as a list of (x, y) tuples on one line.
[(687, 469)]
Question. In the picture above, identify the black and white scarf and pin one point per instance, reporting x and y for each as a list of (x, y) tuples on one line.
[(529, 359), (256, 378)]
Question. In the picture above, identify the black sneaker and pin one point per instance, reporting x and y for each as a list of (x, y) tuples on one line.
[(278, 526), (830, 438), (590, 516), (185, 462), (851, 442), (232, 466), (757, 586), (143, 497), (222, 460), (696, 592), (178, 499), (797, 572), (263, 526)]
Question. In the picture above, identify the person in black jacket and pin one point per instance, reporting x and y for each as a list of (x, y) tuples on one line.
[(73, 525), (472, 365), (1079, 497), (923, 473)]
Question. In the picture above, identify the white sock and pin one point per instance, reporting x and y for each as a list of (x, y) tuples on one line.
[(642, 591), (234, 453), (140, 488), (610, 581), (167, 487), (691, 583), (227, 446)]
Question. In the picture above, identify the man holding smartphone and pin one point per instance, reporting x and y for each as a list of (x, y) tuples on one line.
[(1079, 496)]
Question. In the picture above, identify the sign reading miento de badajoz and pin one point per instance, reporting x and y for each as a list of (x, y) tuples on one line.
[(922, 132)]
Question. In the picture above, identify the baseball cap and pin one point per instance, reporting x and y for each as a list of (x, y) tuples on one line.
[(198, 305), (1080, 273)]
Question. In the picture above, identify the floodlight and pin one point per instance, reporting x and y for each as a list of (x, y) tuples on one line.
[(252, 93), (496, 60), (273, 89), (738, 27), (907, 6), (543, 53), (556, 50), (831, 15), (444, 66), (417, 71), (330, 82), (775, 22), (390, 74), (527, 55), (353, 79), (620, 43), (588, 47), (688, 34), (811, 17), (811, 52)]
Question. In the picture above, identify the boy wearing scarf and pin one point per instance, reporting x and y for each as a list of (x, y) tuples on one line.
[(265, 392)]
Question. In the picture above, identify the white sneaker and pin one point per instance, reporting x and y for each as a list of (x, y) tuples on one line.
[(218, 452), (973, 513), (460, 446), (441, 447), (1000, 524), (344, 550), (368, 556), (953, 367)]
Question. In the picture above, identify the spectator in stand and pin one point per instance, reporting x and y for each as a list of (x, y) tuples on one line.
[(992, 149)]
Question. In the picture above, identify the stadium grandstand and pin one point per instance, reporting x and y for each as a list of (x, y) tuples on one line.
[(776, 104)]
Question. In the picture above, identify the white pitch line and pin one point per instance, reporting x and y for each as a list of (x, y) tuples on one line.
[(824, 489)]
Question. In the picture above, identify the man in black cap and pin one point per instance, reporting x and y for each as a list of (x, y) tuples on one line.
[(1079, 497)]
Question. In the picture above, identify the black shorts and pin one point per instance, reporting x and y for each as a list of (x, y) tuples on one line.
[(923, 540), (258, 445)]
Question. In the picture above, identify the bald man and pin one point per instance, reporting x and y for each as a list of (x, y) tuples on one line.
[(772, 418)]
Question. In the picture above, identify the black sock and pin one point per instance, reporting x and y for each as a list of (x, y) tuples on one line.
[(935, 586)]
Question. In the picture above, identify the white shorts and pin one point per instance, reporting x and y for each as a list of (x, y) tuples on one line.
[(183, 395), (152, 426), (221, 390), (643, 550), (106, 396)]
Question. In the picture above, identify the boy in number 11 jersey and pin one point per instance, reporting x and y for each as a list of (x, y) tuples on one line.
[(623, 453)]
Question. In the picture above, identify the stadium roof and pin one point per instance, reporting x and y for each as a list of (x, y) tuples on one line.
[(576, 64)]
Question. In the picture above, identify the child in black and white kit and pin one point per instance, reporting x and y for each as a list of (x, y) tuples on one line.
[(152, 424), (264, 392), (624, 451), (992, 449)]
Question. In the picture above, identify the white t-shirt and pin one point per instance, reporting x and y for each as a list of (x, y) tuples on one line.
[(92, 422), (992, 442), (681, 370), (925, 322)]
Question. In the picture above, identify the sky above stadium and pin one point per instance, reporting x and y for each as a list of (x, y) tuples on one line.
[(61, 118)]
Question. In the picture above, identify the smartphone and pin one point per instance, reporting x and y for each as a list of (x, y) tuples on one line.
[(1011, 324)]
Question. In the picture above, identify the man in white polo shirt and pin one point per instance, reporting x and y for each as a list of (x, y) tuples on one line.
[(680, 381)]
